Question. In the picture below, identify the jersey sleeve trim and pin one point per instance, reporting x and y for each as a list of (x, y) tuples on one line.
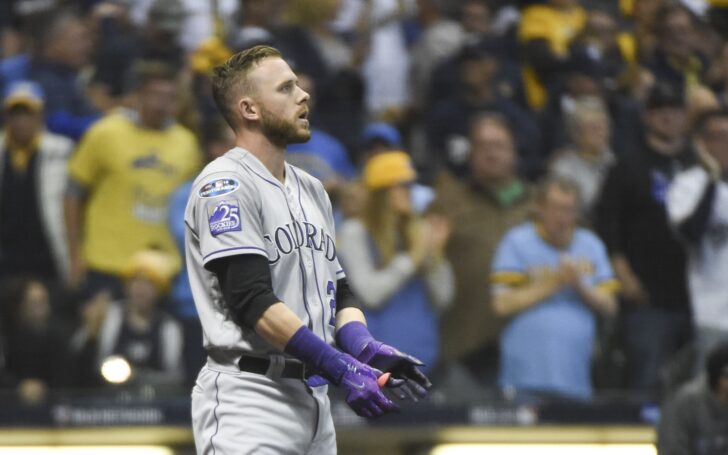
[(611, 286), (233, 251), (509, 278)]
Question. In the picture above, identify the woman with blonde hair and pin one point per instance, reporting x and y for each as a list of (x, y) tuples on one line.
[(589, 157), (395, 260)]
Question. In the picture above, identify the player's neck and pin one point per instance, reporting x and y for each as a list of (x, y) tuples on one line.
[(271, 155)]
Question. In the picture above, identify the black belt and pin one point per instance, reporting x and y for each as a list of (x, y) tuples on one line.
[(292, 369)]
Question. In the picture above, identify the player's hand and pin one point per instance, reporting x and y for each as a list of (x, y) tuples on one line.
[(363, 393), (403, 367)]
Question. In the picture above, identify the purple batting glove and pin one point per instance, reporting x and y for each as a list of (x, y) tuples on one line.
[(318, 380), (359, 380), (402, 366), (363, 393)]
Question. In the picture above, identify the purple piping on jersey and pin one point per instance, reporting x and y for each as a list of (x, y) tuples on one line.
[(303, 286), (236, 248), (340, 271), (275, 184), (214, 413), (303, 272), (315, 272)]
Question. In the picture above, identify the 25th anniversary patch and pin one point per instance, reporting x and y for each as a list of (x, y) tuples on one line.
[(224, 217)]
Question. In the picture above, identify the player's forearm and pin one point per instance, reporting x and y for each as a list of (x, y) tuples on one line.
[(513, 301), (277, 325), (348, 315)]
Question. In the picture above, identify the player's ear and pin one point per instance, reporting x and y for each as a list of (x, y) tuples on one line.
[(248, 108)]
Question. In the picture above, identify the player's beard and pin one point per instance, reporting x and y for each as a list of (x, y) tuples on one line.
[(282, 132)]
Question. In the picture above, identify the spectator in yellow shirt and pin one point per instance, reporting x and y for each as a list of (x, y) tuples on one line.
[(121, 177)]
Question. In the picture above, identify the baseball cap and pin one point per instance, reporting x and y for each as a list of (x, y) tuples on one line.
[(23, 93), (388, 169), (156, 266), (665, 95), (382, 131)]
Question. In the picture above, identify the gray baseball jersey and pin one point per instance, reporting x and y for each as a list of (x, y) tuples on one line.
[(238, 207)]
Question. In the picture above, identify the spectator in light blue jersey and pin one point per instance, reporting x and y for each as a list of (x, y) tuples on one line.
[(551, 278)]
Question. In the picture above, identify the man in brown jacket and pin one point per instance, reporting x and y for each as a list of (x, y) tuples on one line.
[(481, 209)]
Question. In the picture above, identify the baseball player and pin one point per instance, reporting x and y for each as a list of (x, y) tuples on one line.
[(279, 320)]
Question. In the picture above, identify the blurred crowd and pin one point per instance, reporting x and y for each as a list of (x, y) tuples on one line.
[(531, 196)]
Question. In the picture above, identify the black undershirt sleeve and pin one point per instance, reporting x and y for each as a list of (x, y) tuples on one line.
[(344, 297), (246, 286)]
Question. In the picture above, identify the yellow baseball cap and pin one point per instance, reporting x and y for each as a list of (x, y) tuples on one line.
[(23, 93), (156, 266), (388, 169)]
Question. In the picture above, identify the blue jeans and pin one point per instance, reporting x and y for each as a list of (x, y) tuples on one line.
[(652, 337)]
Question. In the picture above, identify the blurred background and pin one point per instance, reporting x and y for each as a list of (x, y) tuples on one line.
[(586, 314)]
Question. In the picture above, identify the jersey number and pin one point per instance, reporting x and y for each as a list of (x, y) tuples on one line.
[(331, 291)]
